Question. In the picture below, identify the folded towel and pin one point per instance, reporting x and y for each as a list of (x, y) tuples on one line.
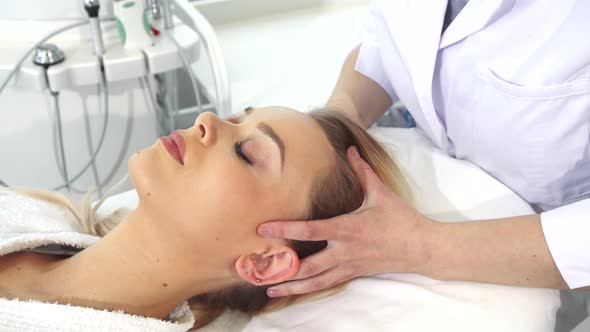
[(32, 316), (27, 223)]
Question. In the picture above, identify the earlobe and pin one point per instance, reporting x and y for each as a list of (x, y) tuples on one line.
[(270, 267)]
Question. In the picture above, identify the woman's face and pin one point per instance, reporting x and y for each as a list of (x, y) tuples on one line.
[(256, 166)]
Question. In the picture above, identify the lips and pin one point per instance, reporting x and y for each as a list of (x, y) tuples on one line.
[(174, 144)]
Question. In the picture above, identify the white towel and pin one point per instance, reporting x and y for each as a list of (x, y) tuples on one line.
[(27, 223), (32, 316)]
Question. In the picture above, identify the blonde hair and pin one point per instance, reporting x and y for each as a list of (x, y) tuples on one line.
[(84, 213), (334, 193)]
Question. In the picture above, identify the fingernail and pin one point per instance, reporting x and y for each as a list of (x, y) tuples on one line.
[(265, 231), (354, 152), (272, 293)]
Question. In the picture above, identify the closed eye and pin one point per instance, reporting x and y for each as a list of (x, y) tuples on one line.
[(240, 153)]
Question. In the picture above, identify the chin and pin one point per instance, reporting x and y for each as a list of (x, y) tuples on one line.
[(139, 167)]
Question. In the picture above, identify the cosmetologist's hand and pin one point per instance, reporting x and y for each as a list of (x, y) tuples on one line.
[(384, 235)]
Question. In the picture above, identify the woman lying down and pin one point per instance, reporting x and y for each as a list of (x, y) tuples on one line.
[(192, 240)]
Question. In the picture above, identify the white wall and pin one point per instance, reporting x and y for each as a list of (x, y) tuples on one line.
[(291, 59)]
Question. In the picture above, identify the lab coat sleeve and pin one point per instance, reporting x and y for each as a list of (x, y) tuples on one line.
[(370, 61), (566, 231)]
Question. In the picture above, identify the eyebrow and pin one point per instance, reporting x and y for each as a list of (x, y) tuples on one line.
[(268, 131)]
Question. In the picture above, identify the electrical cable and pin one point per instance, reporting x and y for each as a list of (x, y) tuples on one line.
[(105, 111), (60, 138), (92, 8), (48, 55), (120, 158), (39, 43), (172, 105), (104, 96), (104, 103), (90, 146), (90, 149), (186, 12), (150, 102), (188, 68), (124, 148), (109, 193)]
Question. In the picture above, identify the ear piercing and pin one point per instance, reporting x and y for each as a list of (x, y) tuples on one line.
[(258, 280)]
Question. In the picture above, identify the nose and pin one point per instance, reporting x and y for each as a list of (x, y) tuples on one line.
[(207, 127)]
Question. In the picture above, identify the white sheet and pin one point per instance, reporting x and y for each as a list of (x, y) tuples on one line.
[(445, 189)]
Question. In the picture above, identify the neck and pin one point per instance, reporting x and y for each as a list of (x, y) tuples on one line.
[(136, 268)]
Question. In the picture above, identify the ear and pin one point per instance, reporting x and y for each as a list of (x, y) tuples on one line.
[(270, 267)]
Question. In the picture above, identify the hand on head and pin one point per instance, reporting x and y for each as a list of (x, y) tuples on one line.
[(383, 235)]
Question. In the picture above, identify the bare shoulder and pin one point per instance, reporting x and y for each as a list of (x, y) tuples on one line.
[(17, 270), (22, 258)]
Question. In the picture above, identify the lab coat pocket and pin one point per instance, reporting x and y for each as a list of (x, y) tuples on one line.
[(535, 138), (580, 85)]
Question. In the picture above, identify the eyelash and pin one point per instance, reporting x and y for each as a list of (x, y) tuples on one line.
[(240, 153)]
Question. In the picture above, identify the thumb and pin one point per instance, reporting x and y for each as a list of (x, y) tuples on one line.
[(369, 181)]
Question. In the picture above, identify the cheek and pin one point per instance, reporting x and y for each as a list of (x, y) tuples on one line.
[(234, 190), (215, 190), (229, 201)]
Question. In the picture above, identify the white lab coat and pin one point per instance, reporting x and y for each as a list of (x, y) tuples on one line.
[(507, 87)]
